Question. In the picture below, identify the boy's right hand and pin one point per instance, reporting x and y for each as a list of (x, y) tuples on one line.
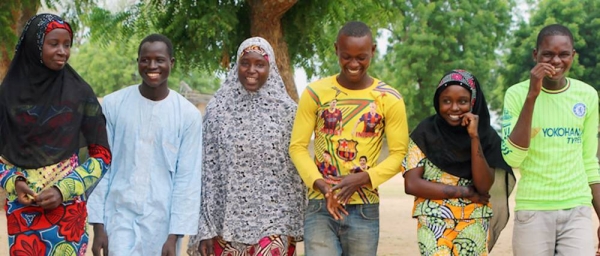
[(206, 247), (536, 77), (100, 244), (25, 195), (333, 206)]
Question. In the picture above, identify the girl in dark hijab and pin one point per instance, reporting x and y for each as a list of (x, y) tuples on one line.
[(46, 112), (453, 164)]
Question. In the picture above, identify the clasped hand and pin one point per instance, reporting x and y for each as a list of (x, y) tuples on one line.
[(339, 195), (47, 199)]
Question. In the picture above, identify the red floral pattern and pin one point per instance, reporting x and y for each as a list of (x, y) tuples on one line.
[(72, 225), (28, 245)]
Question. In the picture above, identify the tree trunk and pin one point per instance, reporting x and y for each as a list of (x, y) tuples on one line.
[(265, 20), (20, 12)]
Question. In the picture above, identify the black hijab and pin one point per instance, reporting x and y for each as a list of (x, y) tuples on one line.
[(43, 112), (449, 147)]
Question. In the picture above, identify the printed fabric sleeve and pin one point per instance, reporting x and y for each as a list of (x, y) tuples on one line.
[(590, 141), (304, 125), (83, 180), (97, 198), (413, 159), (513, 154), (185, 200), (396, 132), (8, 176)]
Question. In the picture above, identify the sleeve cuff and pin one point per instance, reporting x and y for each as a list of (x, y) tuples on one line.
[(374, 177), (64, 191), (312, 178), (514, 154), (95, 214)]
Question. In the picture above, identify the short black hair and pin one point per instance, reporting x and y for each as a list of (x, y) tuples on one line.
[(365, 157), (553, 30), (355, 29), (157, 38)]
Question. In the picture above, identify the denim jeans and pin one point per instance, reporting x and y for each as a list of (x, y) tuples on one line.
[(356, 235)]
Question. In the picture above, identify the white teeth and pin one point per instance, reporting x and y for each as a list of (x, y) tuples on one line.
[(454, 117), (353, 71), (153, 75), (251, 79)]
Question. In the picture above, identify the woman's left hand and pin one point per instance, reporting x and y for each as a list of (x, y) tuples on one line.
[(49, 198), (471, 121)]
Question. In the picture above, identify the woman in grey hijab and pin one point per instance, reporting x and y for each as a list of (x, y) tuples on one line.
[(253, 199)]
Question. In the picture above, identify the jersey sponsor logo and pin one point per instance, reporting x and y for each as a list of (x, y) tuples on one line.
[(579, 109), (572, 134)]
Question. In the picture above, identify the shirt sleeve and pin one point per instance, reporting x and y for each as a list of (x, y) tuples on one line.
[(84, 178), (304, 126), (513, 154), (8, 176), (187, 186), (590, 142), (396, 131), (413, 159)]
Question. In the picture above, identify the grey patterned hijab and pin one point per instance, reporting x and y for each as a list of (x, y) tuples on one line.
[(231, 89), (250, 188)]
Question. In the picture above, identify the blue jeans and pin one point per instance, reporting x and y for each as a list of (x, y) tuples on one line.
[(356, 235)]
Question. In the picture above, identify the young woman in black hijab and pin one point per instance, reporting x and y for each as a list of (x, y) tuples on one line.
[(47, 112), (454, 158)]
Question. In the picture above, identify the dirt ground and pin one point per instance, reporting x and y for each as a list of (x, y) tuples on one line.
[(397, 232)]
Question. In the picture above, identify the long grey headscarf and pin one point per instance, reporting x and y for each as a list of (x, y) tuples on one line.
[(250, 188)]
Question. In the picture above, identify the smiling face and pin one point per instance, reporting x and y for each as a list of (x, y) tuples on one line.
[(354, 56), (56, 49), (154, 64), (253, 71), (556, 50), (454, 101)]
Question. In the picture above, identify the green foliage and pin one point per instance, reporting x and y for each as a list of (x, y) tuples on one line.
[(311, 29), (208, 33), (582, 17), (113, 66), (108, 68), (10, 12), (429, 39)]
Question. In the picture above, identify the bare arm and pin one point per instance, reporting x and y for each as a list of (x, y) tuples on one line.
[(521, 133), (483, 175), (415, 185)]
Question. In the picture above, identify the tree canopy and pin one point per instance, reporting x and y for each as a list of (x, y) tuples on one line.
[(428, 39), (582, 17)]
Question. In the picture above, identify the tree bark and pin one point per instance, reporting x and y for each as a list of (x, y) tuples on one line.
[(265, 20), (20, 12)]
